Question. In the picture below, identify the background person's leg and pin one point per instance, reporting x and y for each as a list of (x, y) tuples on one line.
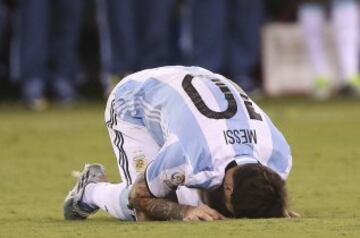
[(155, 19), (34, 26), (67, 15), (208, 31), (116, 20), (312, 20), (246, 19), (345, 20), (121, 20)]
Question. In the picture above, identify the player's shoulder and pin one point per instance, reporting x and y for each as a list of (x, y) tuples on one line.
[(170, 69), (166, 75)]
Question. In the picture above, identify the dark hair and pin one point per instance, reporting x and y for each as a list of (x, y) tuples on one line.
[(258, 192)]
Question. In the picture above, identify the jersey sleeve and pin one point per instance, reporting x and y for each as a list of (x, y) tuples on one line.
[(168, 170), (189, 196)]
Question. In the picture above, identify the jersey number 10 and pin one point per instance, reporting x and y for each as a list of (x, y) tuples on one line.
[(232, 105)]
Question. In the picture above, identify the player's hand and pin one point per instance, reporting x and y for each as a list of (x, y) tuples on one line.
[(291, 214), (202, 213)]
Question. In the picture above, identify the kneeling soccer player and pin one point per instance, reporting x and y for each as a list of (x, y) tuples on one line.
[(190, 145)]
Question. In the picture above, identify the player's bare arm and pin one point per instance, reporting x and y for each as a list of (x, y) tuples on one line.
[(148, 207)]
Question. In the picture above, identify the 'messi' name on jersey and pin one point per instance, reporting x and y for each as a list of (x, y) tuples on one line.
[(240, 136)]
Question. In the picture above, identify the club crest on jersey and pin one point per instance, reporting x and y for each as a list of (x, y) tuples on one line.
[(140, 163), (176, 179)]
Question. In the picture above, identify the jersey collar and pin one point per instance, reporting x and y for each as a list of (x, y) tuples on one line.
[(241, 160)]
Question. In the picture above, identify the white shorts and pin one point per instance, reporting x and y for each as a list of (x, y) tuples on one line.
[(134, 149), (133, 145)]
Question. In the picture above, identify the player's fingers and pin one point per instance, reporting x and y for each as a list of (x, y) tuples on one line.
[(199, 215), (221, 216), (291, 214), (191, 218), (216, 215), (294, 214), (204, 216), (212, 212)]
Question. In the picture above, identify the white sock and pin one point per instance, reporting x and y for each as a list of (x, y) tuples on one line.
[(345, 14), (312, 20), (112, 198)]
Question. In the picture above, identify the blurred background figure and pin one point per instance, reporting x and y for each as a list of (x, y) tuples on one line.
[(226, 38), (245, 19), (47, 34), (158, 32), (116, 21), (124, 36), (208, 32), (345, 29), (2, 31)]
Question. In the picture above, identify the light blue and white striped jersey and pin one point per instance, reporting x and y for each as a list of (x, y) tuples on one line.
[(202, 122)]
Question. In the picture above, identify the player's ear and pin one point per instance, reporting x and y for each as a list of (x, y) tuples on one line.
[(228, 188), (228, 192), (228, 183)]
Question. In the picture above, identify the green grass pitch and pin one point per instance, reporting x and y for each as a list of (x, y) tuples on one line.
[(39, 150)]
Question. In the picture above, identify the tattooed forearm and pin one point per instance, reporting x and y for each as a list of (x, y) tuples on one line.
[(156, 208), (162, 209)]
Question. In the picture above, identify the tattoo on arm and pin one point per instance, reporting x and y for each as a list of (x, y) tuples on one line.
[(156, 208), (163, 209)]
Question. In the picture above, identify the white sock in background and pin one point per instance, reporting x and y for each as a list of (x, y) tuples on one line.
[(112, 198), (312, 19), (346, 25)]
